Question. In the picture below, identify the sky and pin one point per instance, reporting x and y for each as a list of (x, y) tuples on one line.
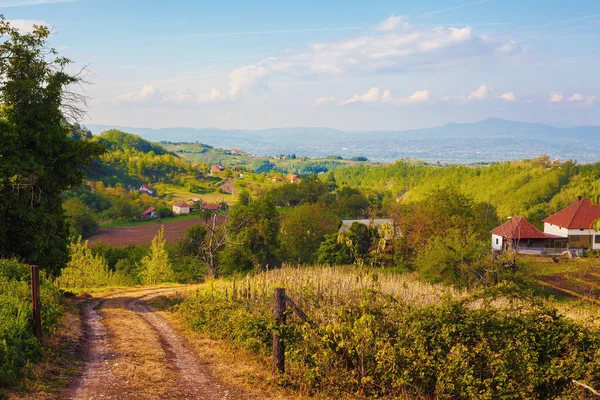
[(351, 65)]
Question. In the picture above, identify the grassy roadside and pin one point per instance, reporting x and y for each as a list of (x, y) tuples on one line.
[(60, 362), (249, 374)]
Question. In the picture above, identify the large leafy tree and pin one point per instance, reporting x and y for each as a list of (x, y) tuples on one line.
[(38, 160), (302, 230)]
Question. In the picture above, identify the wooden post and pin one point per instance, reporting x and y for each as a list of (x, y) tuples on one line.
[(35, 300), (278, 345)]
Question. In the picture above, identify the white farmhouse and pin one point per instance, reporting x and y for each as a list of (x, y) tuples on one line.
[(574, 225), (182, 208)]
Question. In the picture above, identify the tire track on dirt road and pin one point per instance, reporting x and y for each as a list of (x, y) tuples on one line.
[(132, 352)]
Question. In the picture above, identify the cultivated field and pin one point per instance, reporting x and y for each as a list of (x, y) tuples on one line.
[(143, 234)]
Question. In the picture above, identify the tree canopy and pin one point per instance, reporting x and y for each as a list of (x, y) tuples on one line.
[(38, 160)]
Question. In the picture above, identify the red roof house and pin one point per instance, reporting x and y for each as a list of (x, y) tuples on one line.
[(576, 224), (579, 215), (150, 213), (211, 207), (518, 234), (146, 189)]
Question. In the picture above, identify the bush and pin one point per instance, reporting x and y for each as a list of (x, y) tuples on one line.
[(496, 344), (84, 270), (18, 345)]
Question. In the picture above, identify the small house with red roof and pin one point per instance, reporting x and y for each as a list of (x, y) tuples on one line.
[(211, 207), (575, 225), (148, 214), (293, 178), (182, 208), (217, 168), (519, 235), (146, 189)]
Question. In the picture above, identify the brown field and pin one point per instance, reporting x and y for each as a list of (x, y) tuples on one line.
[(582, 284), (143, 234)]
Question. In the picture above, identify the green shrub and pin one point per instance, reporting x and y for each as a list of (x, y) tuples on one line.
[(18, 345), (497, 344), (84, 270)]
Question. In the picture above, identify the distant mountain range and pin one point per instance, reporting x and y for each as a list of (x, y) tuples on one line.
[(485, 141)]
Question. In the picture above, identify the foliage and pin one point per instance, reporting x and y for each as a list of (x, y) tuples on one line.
[(531, 188), (368, 342), (18, 345), (156, 267), (84, 270), (451, 257), (332, 252), (253, 241), (302, 230), (38, 160), (80, 216)]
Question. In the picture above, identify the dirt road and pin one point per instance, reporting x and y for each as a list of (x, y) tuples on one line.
[(133, 353)]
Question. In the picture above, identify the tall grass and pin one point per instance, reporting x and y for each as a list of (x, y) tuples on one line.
[(18, 345), (373, 335)]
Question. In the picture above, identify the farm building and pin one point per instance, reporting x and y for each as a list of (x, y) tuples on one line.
[(182, 208), (150, 213), (217, 168), (211, 207), (575, 225), (379, 224), (146, 189), (292, 178), (519, 235)]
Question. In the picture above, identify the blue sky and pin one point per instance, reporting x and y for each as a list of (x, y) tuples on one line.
[(377, 65)]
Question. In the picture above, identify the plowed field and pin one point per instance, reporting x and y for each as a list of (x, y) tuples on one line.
[(143, 234)]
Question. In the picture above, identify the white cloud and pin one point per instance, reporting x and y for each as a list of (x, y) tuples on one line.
[(251, 76), (387, 51), (372, 96), (148, 94), (480, 93), (391, 23), (556, 97), (25, 25), (323, 100), (21, 3), (578, 97), (508, 96), (419, 96)]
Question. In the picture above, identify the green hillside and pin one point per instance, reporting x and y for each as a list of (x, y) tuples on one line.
[(533, 188)]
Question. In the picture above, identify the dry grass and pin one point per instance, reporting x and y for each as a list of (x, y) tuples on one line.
[(140, 362), (250, 374)]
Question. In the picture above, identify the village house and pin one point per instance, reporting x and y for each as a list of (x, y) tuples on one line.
[(131, 188), (569, 230), (293, 178), (211, 207), (378, 224), (182, 208), (149, 214), (146, 189), (519, 235), (217, 168), (574, 226)]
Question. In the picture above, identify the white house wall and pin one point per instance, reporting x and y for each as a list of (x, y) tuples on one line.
[(555, 230), (564, 232), (497, 242)]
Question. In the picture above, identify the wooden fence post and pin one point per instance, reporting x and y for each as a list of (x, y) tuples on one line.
[(35, 300), (278, 344)]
